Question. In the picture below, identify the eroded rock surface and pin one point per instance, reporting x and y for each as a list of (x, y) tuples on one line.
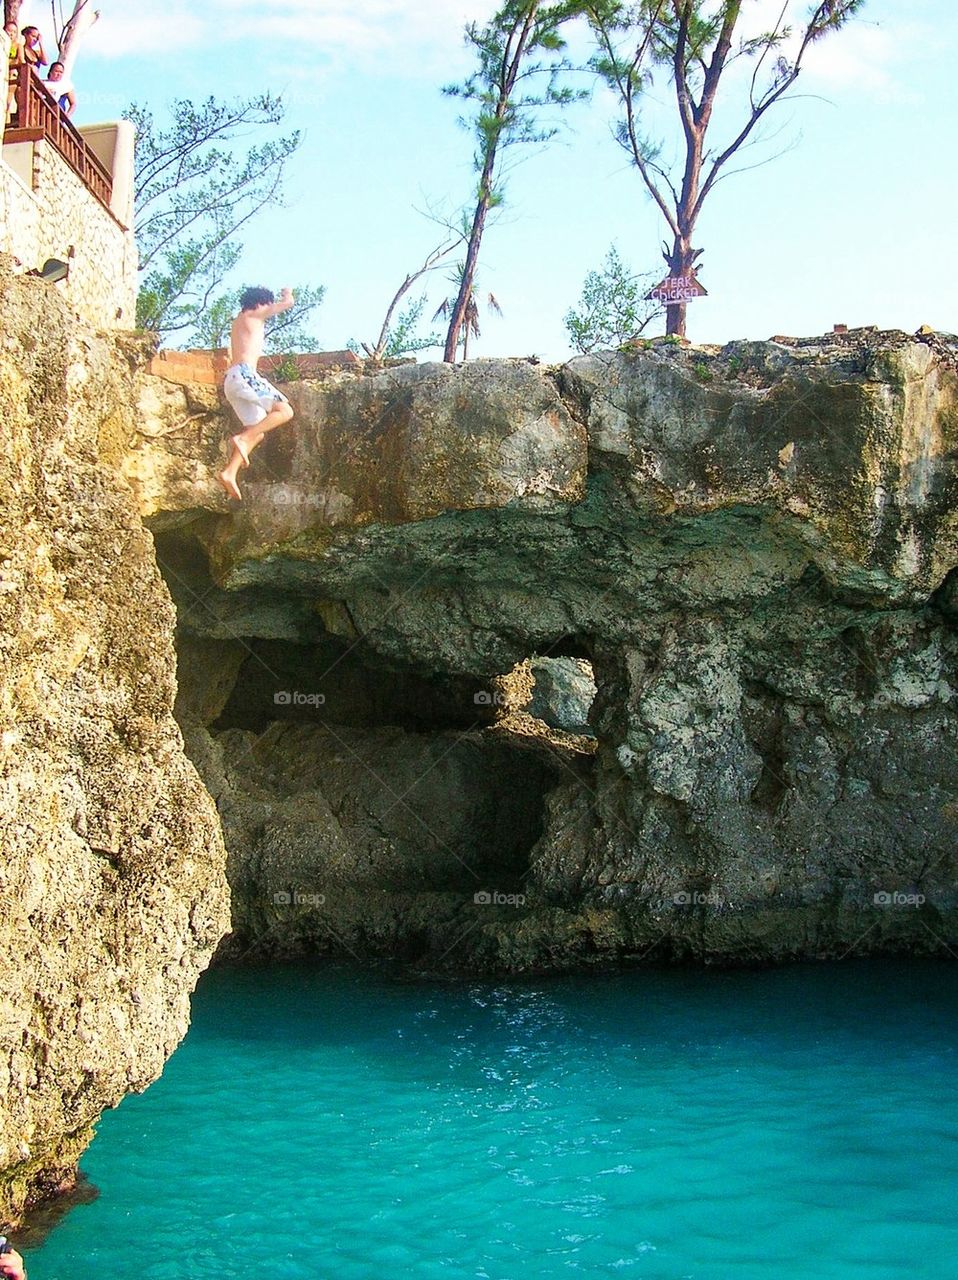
[(112, 871), (754, 547)]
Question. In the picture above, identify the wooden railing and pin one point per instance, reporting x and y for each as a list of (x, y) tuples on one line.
[(38, 116)]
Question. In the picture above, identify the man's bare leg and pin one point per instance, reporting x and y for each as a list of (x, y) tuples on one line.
[(248, 439), (227, 477), (244, 442)]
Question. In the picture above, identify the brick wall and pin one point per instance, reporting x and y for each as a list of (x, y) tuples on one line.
[(208, 367)]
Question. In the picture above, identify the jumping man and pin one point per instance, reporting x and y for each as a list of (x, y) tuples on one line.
[(256, 402)]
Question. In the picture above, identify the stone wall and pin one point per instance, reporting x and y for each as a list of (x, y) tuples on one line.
[(45, 212)]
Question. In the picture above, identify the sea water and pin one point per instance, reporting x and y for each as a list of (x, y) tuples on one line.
[(794, 1124)]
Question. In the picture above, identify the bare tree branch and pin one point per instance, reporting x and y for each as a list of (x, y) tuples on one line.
[(432, 260)]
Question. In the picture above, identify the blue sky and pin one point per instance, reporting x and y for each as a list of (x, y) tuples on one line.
[(842, 227)]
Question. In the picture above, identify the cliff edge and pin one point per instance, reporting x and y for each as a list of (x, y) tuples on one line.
[(112, 884)]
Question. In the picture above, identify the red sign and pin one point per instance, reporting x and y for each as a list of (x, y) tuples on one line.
[(677, 289)]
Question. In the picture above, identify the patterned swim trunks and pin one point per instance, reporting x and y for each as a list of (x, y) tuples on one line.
[(251, 396)]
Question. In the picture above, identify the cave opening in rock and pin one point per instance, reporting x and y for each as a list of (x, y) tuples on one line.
[(549, 694), (366, 804), (342, 682)]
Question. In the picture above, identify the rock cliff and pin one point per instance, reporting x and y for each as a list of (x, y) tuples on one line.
[(496, 667), (752, 548), (112, 886)]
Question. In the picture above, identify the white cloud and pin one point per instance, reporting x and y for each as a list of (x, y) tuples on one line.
[(424, 37), (153, 28), (863, 56), (413, 34)]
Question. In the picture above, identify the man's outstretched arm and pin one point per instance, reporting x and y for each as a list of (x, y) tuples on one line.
[(282, 303)]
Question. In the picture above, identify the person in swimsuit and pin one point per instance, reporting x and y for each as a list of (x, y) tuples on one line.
[(256, 402), (16, 43), (14, 63), (33, 54)]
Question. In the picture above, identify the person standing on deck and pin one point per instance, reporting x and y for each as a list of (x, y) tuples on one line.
[(61, 89), (256, 402), (14, 63), (33, 54)]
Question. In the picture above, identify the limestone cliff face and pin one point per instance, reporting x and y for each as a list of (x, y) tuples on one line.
[(112, 888), (754, 549)]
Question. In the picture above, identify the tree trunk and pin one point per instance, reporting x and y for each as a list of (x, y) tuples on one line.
[(81, 20), (522, 26), (11, 12), (675, 318), (681, 262), (468, 274)]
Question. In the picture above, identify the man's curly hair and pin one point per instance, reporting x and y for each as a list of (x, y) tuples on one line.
[(255, 297)]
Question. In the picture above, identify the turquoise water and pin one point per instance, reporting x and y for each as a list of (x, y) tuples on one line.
[(800, 1124)]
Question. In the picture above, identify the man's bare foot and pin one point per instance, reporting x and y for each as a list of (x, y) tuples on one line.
[(239, 444), (229, 484)]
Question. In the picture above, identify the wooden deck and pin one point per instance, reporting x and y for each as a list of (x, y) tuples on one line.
[(39, 118)]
